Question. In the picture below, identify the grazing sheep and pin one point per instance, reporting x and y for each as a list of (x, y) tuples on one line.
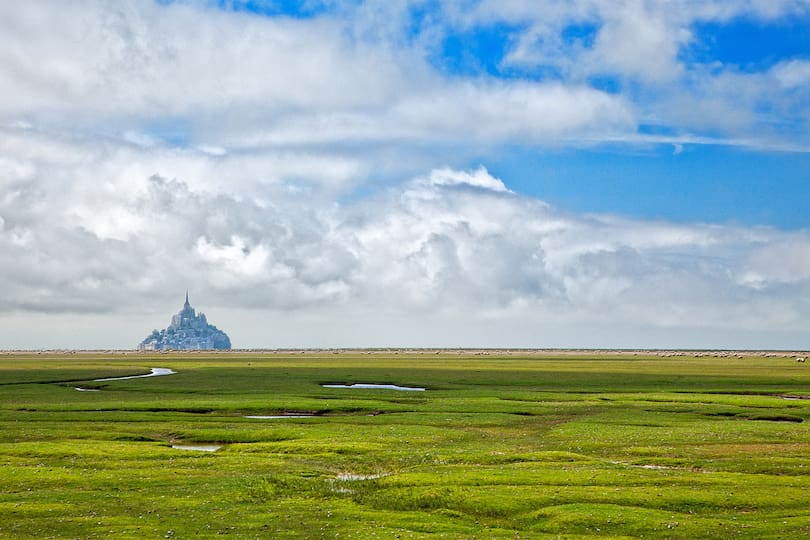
[(800, 358)]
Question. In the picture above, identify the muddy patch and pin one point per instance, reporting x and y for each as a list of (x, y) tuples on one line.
[(778, 418), (355, 477), (277, 416), (653, 467), (757, 417)]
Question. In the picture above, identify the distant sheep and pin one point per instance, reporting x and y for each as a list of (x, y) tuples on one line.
[(800, 358)]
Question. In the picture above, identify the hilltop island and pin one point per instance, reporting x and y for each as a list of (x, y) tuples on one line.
[(188, 331)]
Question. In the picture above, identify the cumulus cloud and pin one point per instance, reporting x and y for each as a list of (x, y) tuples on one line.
[(225, 80), (480, 178), (638, 42), (82, 233), (229, 79), (644, 50), (305, 169)]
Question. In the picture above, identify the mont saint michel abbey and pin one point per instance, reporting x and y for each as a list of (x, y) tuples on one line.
[(188, 331)]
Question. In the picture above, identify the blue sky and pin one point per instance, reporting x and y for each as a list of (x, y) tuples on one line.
[(407, 172), (708, 183), (749, 43), (712, 182)]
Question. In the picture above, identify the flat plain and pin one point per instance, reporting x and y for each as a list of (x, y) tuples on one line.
[(498, 445)]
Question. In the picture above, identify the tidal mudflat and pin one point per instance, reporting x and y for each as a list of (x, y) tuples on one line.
[(503, 445)]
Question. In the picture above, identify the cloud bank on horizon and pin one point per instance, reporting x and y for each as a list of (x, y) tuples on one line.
[(321, 173)]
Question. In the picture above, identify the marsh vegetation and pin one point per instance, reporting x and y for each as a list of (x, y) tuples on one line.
[(500, 446)]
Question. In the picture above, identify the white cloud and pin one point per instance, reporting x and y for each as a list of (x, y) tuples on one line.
[(240, 261), (636, 41), (642, 48), (792, 73), (91, 231), (145, 149), (223, 81), (132, 57), (785, 260), (235, 80), (479, 178)]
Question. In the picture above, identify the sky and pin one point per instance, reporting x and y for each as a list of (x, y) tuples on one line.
[(407, 173)]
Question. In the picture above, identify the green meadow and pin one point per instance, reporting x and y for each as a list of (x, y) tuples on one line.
[(511, 445)]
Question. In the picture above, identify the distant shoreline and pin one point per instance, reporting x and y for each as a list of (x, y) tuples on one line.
[(450, 351)]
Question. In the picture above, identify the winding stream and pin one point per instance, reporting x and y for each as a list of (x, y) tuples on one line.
[(156, 372)]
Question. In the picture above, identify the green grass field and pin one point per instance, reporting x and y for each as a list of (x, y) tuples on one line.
[(509, 446)]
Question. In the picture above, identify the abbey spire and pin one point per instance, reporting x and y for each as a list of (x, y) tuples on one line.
[(188, 330)]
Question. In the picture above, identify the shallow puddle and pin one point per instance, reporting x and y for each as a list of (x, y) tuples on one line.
[(198, 447), (278, 416), (365, 386), (87, 389), (156, 372)]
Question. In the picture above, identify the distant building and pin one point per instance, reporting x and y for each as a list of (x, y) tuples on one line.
[(188, 331)]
